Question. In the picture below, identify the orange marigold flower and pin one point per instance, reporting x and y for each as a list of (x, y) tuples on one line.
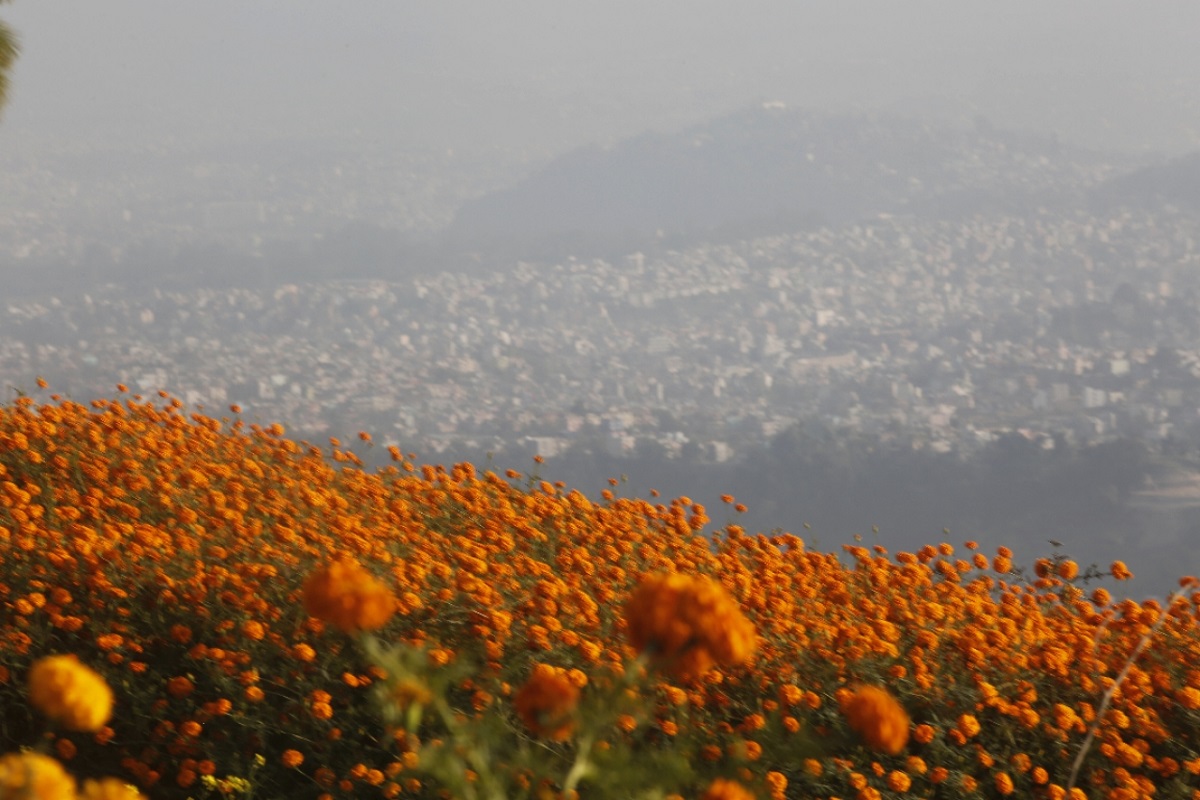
[(70, 693), (721, 789), (546, 703), (292, 758), (348, 597), (304, 652), (878, 718), (1004, 784), (408, 691), (1120, 571), (968, 725), (254, 630), (110, 789), (898, 781), (1067, 570), (688, 624), (180, 687), (65, 749), (31, 774)]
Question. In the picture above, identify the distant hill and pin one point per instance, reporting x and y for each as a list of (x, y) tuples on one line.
[(1176, 182), (761, 171)]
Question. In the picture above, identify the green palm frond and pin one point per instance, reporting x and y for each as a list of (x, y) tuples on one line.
[(8, 54)]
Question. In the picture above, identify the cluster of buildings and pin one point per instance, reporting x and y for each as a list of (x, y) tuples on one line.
[(932, 334)]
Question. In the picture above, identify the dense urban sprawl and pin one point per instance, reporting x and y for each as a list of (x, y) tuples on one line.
[(932, 334)]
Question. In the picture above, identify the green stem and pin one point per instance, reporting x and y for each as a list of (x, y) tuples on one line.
[(582, 766), (473, 756)]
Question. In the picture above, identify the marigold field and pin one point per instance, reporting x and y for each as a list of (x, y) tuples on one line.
[(186, 560)]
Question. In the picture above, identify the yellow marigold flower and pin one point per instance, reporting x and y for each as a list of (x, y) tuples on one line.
[(546, 703), (688, 624), (878, 718), (348, 597), (69, 693), (721, 789), (110, 789), (36, 776)]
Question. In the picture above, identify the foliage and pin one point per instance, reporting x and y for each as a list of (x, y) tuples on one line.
[(8, 54), (170, 552)]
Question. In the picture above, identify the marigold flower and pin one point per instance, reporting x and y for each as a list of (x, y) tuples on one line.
[(878, 718), (70, 693), (722, 789), (292, 758), (65, 749), (688, 624), (1120, 571), (409, 691), (1004, 784), (180, 687), (546, 703), (34, 775), (348, 597), (898, 781), (110, 789)]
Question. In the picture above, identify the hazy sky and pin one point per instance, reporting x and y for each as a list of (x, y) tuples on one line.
[(549, 74)]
